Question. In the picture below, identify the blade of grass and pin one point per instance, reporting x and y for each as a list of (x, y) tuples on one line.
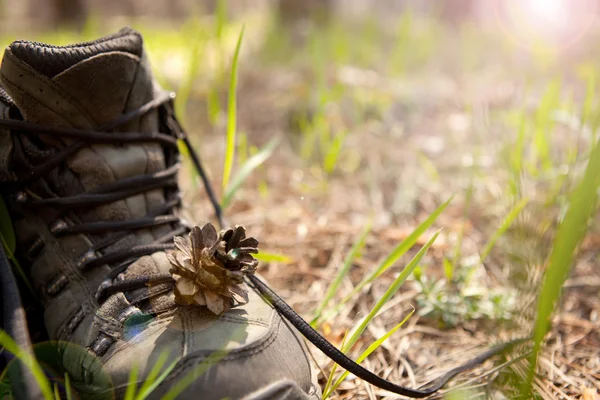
[(56, 392), (449, 268), (571, 231), (510, 217), (544, 124), (29, 361), (428, 166), (221, 18), (68, 388), (389, 293), (343, 271), (391, 259), (132, 384), (7, 237), (150, 380), (243, 148), (272, 257), (246, 169), (333, 152), (234, 335), (465, 218), (518, 154), (333, 369), (374, 346), (191, 376), (151, 384), (231, 114), (407, 243)]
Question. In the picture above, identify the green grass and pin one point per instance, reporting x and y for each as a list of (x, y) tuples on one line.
[(388, 262), (231, 115), (357, 331), (506, 223), (29, 361), (247, 168), (331, 387), (582, 205), (342, 272)]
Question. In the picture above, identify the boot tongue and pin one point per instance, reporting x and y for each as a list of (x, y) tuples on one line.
[(84, 85)]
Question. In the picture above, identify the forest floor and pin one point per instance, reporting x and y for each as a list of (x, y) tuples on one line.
[(414, 132)]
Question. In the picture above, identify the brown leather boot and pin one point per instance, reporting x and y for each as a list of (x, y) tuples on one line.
[(88, 168)]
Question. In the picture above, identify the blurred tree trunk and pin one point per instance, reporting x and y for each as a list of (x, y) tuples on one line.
[(69, 13), (295, 12), (457, 11)]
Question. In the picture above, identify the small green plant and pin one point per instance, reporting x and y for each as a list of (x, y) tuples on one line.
[(460, 297), (463, 297), (330, 387), (356, 332), (388, 262), (246, 169), (342, 272)]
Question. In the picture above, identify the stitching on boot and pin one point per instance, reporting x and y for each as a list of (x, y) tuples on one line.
[(32, 75)]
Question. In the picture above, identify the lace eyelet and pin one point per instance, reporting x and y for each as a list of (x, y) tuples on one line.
[(21, 197), (87, 258), (128, 312), (58, 227), (101, 344), (105, 284)]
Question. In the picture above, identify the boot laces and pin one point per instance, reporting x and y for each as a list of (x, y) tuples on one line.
[(121, 189)]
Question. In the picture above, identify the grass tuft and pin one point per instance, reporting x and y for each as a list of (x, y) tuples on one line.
[(391, 259), (372, 347), (506, 223), (246, 169), (232, 114), (343, 271), (29, 361), (571, 231)]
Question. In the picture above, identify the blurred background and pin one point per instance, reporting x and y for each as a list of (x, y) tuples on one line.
[(373, 113)]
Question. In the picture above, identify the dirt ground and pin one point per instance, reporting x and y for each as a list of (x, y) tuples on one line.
[(438, 134)]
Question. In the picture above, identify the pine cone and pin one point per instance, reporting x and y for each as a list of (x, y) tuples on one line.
[(209, 269)]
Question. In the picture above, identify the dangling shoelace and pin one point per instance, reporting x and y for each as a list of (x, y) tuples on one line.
[(166, 179)]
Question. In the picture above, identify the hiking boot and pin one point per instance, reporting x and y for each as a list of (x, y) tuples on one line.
[(88, 169)]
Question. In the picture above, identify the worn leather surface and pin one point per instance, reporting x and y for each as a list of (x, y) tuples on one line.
[(240, 353)]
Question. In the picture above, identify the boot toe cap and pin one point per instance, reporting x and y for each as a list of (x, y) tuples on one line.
[(249, 352)]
